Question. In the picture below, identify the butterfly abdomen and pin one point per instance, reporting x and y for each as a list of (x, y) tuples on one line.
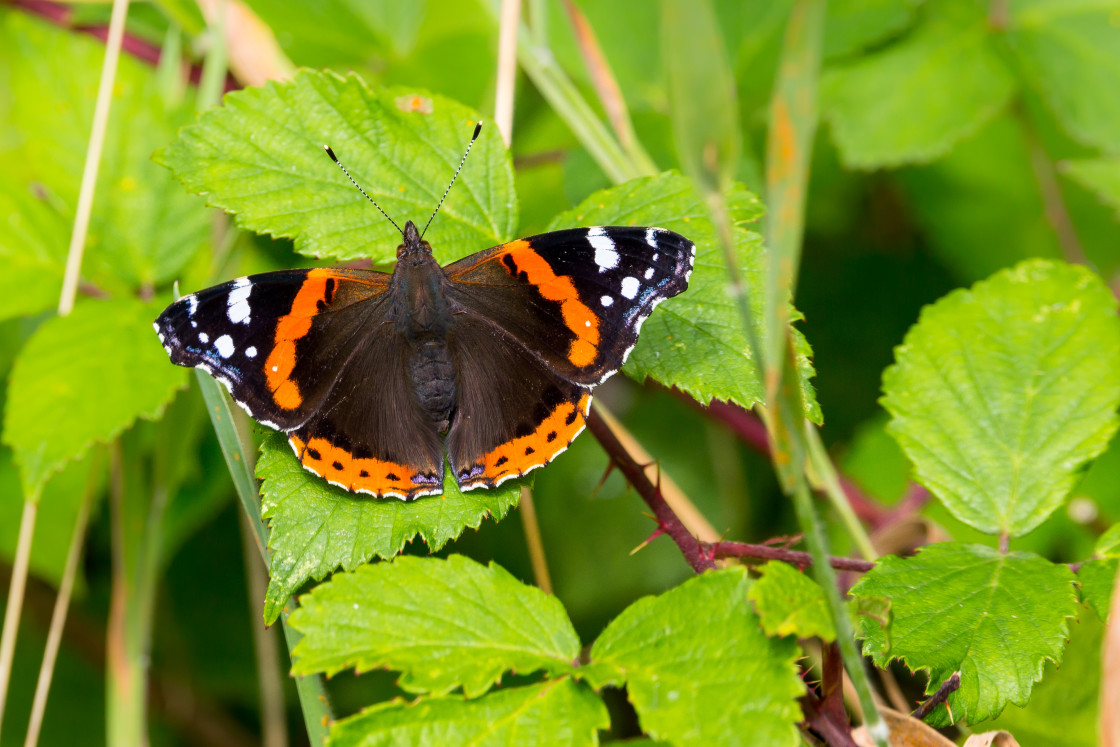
[(433, 380)]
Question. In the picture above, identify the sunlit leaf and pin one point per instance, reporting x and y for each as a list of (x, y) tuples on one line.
[(788, 602)]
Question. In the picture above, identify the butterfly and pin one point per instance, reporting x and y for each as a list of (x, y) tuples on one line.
[(491, 359)]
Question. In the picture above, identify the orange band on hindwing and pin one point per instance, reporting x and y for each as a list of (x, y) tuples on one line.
[(578, 318), (357, 474)]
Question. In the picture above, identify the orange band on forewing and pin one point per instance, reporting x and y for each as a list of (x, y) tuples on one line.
[(339, 466), (577, 316), (538, 448), (289, 329)]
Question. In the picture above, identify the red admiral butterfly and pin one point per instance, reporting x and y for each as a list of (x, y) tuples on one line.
[(369, 373)]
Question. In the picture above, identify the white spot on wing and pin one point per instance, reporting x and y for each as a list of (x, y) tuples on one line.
[(651, 239), (203, 338), (606, 256), (606, 300), (630, 287), (250, 352), (238, 301), (224, 345), (649, 273), (192, 301)]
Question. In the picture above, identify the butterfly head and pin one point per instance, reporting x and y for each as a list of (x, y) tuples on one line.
[(414, 248)]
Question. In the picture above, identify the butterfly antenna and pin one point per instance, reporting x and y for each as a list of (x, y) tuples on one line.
[(477, 129), (334, 158)]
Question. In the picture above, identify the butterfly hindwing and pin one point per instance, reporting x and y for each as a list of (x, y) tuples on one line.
[(576, 298), (514, 414)]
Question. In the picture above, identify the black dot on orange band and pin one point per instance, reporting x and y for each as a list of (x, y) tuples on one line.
[(501, 461), (571, 417), (529, 450), (551, 436), (392, 476), (314, 454), (337, 465), (363, 473), (511, 265)]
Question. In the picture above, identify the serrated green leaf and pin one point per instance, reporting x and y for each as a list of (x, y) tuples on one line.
[(559, 712), (1064, 707), (912, 101), (1070, 51), (260, 156), (996, 618), (81, 380), (695, 341), (143, 227), (1101, 176), (317, 527), (1000, 393), (699, 669), (442, 623), (1108, 544), (788, 602), (1096, 578)]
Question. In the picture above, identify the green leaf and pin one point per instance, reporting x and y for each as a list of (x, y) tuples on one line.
[(1108, 544), (32, 251), (995, 618), (1096, 578), (788, 602), (317, 527), (559, 712), (81, 380), (143, 228), (443, 623), (696, 341), (1101, 176), (260, 156), (699, 669), (1064, 707), (1000, 393), (914, 100), (1070, 51)]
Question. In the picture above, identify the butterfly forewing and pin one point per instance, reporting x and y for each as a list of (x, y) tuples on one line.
[(576, 298)]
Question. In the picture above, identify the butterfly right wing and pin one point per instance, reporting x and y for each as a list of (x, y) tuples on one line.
[(300, 351)]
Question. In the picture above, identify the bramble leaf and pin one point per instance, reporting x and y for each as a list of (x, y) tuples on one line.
[(559, 712), (32, 250), (81, 380), (1070, 51), (1108, 544), (788, 602), (1001, 392), (1096, 578), (695, 341), (699, 669), (443, 623), (317, 527), (260, 156), (911, 102), (996, 618)]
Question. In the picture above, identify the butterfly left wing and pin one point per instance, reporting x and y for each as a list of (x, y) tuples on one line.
[(575, 298)]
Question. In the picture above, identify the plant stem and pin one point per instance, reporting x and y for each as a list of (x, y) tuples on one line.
[(948, 687), (508, 25), (231, 427), (533, 541), (825, 472), (61, 607), (274, 726), (15, 596), (93, 157)]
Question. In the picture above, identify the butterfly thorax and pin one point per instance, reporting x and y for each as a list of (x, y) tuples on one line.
[(423, 317)]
